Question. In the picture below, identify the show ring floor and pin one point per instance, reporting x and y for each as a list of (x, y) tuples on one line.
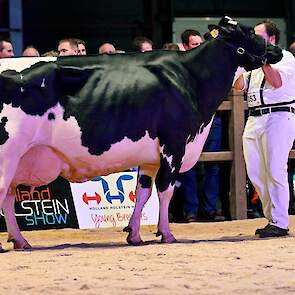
[(210, 258)]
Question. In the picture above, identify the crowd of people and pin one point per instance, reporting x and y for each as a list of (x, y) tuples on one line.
[(268, 137), (74, 46)]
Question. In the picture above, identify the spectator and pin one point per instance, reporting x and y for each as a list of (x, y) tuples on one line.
[(6, 49), (191, 39), (67, 46), (81, 47), (171, 46), (30, 51), (142, 44), (50, 53), (292, 48), (107, 48)]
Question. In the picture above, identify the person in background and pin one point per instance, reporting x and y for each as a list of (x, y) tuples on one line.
[(107, 48), (50, 53), (292, 48), (270, 132), (30, 51), (67, 46), (6, 49), (142, 44), (81, 47), (191, 39), (171, 46)]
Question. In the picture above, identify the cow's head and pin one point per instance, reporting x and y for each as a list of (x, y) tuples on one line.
[(251, 50)]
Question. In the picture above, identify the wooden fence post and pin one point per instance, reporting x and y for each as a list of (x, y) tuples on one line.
[(238, 197)]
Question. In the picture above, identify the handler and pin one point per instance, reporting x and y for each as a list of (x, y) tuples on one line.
[(270, 131)]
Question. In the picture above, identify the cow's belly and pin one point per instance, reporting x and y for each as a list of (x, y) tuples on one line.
[(42, 164), (194, 149)]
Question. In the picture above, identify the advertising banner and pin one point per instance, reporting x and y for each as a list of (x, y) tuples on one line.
[(109, 201), (46, 207)]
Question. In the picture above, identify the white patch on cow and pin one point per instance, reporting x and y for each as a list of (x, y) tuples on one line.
[(21, 76), (22, 89), (201, 128), (168, 159), (43, 83), (193, 149), (121, 155)]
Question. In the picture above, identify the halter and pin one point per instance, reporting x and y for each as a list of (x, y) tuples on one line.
[(241, 51)]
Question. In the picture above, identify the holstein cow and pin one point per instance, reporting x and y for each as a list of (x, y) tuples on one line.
[(80, 117)]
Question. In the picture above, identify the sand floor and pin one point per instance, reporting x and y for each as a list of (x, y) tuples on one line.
[(209, 258)]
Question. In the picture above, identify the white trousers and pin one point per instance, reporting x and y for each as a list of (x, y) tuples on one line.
[(267, 141)]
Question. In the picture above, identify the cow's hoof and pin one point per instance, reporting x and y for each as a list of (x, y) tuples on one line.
[(158, 234), (21, 245), (2, 250), (168, 239), (127, 229), (134, 242)]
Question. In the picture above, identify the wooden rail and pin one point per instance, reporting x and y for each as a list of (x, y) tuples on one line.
[(238, 198)]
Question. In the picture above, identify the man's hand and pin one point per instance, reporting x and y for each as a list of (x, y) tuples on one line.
[(273, 54)]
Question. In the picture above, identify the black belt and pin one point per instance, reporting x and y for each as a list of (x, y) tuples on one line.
[(264, 111)]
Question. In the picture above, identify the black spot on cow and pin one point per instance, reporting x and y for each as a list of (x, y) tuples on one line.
[(33, 90), (51, 116), (3, 133), (145, 181)]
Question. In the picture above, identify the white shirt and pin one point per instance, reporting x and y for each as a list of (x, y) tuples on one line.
[(260, 93)]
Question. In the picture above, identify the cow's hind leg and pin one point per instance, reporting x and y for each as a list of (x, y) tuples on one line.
[(145, 180), (163, 224), (14, 234), (170, 162)]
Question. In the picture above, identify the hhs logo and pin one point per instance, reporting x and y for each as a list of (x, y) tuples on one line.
[(106, 190)]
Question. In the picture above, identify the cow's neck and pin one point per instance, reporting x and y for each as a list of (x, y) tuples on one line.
[(212, 67)]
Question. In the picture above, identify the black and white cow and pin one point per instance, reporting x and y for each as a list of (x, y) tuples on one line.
[(94, 115)]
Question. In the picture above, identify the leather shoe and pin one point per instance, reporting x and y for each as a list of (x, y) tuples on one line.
[(191, 218), (259, 230), (273, 231), (210, 217)]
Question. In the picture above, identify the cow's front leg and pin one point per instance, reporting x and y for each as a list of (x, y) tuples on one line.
[(14, 234), (145, 181)]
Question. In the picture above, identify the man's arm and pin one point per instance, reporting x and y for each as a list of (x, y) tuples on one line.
[(272, 76), (239, 83)]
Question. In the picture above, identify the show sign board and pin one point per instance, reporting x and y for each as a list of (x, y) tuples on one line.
[(106, 201), (109, 201), (45, 207)]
